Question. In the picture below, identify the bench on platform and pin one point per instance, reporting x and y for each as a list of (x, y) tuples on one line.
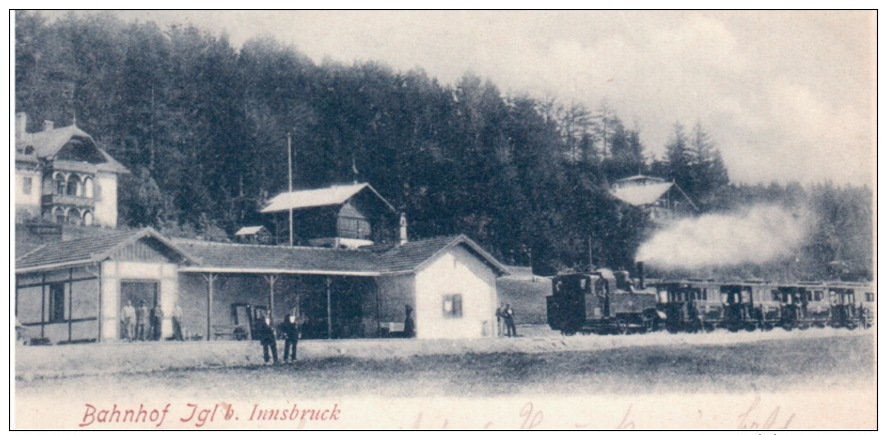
[(230, 332)]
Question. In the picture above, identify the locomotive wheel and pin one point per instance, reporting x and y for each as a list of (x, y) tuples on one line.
[(787, 326), (750, 327)]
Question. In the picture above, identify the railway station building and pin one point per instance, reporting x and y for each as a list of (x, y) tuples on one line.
[(74, 290)]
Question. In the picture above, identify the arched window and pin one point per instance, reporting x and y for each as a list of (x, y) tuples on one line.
[(59, 184), (88, 187), (87, 218), (73, 216), (73, 187)]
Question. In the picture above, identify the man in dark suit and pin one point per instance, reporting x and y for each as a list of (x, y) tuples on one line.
[(268, 339), (509, 321), (143, 318), (156, 322), (290, 330)]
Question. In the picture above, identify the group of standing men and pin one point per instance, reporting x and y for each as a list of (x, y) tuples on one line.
[(505, 320), (142, 323), (268, 337)]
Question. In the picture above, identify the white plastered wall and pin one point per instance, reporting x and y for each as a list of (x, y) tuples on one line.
[(28, 202), (456, 271), (106, 199)]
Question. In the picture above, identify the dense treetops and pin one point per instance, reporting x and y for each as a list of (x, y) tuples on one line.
[(203, 128)]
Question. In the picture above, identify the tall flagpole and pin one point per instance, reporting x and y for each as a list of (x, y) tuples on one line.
[(289, 150)]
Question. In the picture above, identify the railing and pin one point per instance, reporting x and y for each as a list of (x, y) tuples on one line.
[(69, 200)]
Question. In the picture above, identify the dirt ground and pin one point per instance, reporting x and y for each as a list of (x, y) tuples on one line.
[(653, 366)]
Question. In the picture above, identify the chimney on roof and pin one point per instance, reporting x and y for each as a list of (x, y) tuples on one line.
[(21, 124), (403, 229), (47, 125)]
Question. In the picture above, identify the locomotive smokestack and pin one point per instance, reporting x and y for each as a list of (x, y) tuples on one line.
[(640, 270)]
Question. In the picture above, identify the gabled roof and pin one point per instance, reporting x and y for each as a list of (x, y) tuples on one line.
[(48, 143), (249, 231), (87, 250), (376, 261), (334, 195), (411, 256), (635, 178), (217, 257), (239, 258), (639, 195), (111, 165)]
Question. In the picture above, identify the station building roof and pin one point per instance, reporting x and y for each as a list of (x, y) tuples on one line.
[(214, 257)]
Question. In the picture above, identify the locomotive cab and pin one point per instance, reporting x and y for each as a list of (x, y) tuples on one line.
[(566, 307), (597, 303)]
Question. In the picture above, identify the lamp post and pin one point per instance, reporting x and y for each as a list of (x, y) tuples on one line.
[(289, 149)]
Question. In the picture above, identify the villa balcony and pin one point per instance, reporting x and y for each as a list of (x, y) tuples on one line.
[(53, 200)]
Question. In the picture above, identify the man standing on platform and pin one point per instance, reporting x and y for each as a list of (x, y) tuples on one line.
[(142, 318), (128, 318), (268, 339), (290, 330)]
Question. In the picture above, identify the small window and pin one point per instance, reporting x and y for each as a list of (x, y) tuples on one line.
[(26, 186), (869, 297), (809, 295), (817, 295), (452, 306), (774, 295), (73, 186), (56, 302), (59, 184), (705, 294)]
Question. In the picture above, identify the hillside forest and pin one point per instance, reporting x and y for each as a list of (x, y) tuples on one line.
[(202, 126)]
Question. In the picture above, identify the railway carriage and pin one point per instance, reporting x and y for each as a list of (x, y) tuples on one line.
[(606, 302)]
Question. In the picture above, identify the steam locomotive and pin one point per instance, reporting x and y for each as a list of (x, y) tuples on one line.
[(609, 302)]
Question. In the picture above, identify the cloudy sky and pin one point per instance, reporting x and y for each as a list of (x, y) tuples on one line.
[(788, 96)]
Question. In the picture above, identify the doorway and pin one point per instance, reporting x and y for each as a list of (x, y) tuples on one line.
[(136, 292)]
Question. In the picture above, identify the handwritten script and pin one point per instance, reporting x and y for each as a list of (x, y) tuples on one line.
[(752, 417)]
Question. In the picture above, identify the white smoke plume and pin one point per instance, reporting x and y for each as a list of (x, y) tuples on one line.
[(752, 235)]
